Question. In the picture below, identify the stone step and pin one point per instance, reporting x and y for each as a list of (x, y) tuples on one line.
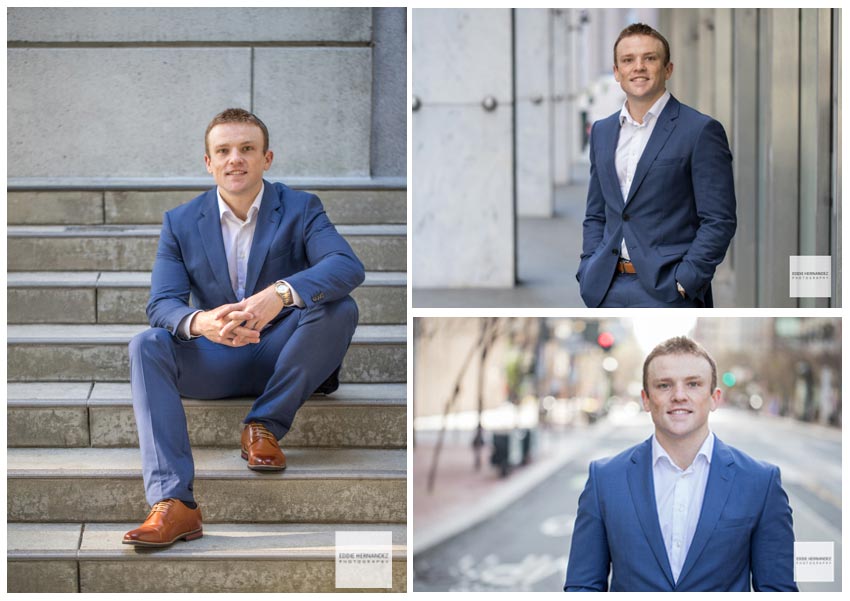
[(53, 414), (233, 558), (133, 247), (98, 353), (120, 297), (105, 485), (122, 207)]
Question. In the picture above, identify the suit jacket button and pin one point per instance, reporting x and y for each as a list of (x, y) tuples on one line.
[(614, 251), (625, 217)]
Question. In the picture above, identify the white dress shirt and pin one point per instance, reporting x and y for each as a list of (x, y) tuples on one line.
[(678, 499), (630, 146), (238, 236)]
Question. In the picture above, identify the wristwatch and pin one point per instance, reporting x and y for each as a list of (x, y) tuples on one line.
[(284, 292)]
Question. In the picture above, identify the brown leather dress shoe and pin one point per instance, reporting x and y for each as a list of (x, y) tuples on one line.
[(260, 448), (168, 521)]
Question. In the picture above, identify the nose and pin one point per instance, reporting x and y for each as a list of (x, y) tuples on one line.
[(680, 392)]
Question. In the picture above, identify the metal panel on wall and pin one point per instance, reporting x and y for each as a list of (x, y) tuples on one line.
[(744, 141), (779, 35), (815, 55)]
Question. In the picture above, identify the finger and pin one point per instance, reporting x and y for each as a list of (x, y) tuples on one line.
[(237, 341), (238, 316), (246, 333), (227, 330), (225, 309), (242, 341)]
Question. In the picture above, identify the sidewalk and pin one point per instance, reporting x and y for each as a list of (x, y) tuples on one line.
[(547, 256), (463, 497)]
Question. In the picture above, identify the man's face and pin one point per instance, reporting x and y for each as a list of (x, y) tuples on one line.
[(236, 159), (679, 396), (639, 68)]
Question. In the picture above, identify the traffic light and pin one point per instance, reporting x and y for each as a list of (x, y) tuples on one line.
[(605, 340)]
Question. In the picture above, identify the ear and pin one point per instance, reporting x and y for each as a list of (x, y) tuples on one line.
[(716, 398), (616, 74), (207, 162), (269, 158), (668, 71), (645, 398)]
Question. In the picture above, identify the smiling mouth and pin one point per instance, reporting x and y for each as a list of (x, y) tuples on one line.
[(680, 412), (237, 173)]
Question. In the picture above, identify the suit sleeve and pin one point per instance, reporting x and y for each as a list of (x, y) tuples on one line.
[(170, 286), (714, 195), (772, 546), (589, 562), (593, 226), (334, 268)]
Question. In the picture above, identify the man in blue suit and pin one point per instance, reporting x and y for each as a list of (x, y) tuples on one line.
[(682, 511), (661, 199), (271, 317)]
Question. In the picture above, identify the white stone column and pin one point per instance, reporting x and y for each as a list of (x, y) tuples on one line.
[(578, 82), (463, 182), (561, 92), (534, 112)]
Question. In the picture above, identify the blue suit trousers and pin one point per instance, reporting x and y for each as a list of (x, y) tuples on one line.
[(294, 356)]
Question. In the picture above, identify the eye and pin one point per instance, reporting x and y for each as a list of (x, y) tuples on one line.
[(221, 151), (248, 148), (663, 386)]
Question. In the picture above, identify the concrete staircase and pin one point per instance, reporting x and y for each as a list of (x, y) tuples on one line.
[(79, 276)]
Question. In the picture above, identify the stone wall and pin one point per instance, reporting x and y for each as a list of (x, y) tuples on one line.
[(125, 93)]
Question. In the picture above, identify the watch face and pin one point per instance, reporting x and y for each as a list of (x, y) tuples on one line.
[(281, 288)]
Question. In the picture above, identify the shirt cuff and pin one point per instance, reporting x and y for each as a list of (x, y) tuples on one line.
[(296, 298), (681, 290), (184, 328)]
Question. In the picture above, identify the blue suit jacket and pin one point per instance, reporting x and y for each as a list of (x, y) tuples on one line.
[(679, 217), (744, 529), (293, 240)]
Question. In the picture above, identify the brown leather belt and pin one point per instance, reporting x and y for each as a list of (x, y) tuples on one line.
[(625, 267)]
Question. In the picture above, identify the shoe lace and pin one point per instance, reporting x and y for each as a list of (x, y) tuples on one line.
[(162, 506), (260, 431)]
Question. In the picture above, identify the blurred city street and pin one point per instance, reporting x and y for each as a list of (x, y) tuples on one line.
[(525, 545)]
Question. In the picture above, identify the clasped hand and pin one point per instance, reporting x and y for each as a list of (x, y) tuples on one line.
[(238, 324)]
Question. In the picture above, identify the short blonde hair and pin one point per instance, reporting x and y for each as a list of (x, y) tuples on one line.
[(236, 116), (643, 29), (680, 345)]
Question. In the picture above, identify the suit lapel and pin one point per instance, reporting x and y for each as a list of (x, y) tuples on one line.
[(610, 139), (665, 126), (271, 210), (209, 227), (721, 474), (642, 488)]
